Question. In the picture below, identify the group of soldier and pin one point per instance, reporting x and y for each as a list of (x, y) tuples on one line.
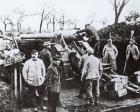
[(110, 51), (38, 83), (91, 67), (40, 64)]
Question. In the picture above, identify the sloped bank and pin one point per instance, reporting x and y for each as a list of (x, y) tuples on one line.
[(5, 102)]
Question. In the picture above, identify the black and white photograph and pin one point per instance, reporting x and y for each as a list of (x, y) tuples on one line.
[(69, 55)]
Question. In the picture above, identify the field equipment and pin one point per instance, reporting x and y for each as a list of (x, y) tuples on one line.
[(70, 47), (117, 85)]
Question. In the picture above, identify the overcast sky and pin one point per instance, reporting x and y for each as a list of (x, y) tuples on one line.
[(80, 10)]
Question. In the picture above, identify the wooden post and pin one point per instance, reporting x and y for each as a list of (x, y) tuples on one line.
[(20, 91), (20, 84), (12, 95), (20, 97), (15, 82), (0, 74)]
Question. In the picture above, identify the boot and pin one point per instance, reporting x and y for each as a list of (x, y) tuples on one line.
[(96, 102), (91, 101), (43, 103)]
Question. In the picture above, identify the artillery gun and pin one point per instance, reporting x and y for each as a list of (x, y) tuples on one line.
[(72, 44)]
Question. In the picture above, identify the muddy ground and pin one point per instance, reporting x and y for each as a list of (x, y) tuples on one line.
[(71, 103)]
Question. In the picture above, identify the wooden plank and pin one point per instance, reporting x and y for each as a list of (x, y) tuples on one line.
[(132, 89)]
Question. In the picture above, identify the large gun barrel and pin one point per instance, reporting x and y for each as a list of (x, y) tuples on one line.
[(27, 42), (68, 35)]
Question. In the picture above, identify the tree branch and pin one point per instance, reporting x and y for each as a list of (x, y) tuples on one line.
[(121, 7), (118, 4), (47, 15)]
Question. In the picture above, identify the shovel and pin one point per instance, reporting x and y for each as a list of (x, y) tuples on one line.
[(124, 66)]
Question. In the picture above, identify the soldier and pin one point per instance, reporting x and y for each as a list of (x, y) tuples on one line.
[(91, 73), (110, 54), (132, 55), (53, 84), (46, 56), (82, 83), (94, 39), (34, 75)]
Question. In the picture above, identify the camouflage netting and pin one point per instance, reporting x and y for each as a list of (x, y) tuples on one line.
[(5, 105)]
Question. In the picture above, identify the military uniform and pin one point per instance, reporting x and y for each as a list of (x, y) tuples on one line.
[(110, 54), (94, 39), (132, 55), (46, 56), (54, 85), (82, 83), (91, 73)]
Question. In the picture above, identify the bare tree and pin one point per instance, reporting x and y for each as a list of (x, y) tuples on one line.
[(62, 21), (45, 14), (53, 21), (118, 6), (133, 17), (48, 21), (6, 21), (21, 14)]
